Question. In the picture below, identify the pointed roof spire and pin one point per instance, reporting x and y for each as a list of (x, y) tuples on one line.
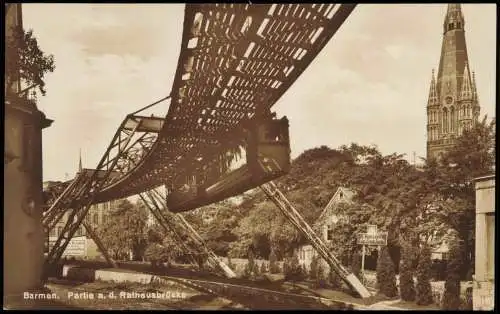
[(453, 7), (80, 162), (474, 87), (433, 98), (466, 85)]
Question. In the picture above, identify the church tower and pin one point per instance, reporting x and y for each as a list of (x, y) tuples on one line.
[(453, 103)]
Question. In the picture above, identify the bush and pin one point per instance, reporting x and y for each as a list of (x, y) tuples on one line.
[(319, 277), (313, 268), (424, 291), (273, 263), (263, 268), (406, 283), (356, 264), (466, 303), (247, 271), (255, 270), (438, 269), (334, 279), (294, 270), (386, 274), (451, 297)]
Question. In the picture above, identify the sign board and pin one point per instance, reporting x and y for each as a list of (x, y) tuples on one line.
[(379, 238), (76, 246), (371, 229)]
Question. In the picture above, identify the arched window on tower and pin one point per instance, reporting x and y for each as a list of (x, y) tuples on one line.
[(450, 26), (452, 119), (459, 25)]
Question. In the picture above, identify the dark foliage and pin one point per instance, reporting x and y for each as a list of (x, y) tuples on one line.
[(386, 275), (424, 291)]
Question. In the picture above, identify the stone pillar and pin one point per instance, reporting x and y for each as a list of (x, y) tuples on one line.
[(23, 231), (484, 277)]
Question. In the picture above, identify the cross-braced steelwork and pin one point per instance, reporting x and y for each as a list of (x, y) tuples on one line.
[(178, 225), (236, 61)]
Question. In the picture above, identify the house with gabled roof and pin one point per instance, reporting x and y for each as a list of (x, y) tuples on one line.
[(325, 223)]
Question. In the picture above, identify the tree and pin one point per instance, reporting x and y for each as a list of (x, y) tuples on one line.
[(452, 180), (386, 274), (424, 291), (406, 283), (451, 297), (125, 230), (26, 61)]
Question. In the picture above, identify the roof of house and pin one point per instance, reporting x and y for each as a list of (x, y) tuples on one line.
[(342, 194)]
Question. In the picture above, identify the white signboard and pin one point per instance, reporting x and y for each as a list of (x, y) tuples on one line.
[(76, 246), (379, 238)]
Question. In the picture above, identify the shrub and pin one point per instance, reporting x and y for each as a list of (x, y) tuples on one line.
[(356, 264), (294, 270), (273, 263), (334, 279), (466, 303), (313, 268), (386, 274), (451, 297), (263, 268), (319, 277), (255, 270), (251, 260), (406, 284), (247, 271), (230, 262), (424, 291)]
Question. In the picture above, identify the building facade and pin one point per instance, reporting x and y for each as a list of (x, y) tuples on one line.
[(484, 274), (453, 103), (81, 245)]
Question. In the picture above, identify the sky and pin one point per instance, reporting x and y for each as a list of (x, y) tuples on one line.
[(369, 84)]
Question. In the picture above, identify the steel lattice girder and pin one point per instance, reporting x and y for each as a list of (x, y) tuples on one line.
[(236, 61)]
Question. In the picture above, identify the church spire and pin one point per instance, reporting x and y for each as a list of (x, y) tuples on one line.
[(454, 18), (454, 87), (80, 162), (433, 98), (466, 93)]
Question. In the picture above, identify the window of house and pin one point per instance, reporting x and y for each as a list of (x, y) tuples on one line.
[(96, 219), (59, 231), (53, 232), (341, 195), (104, 218), (329, 233)]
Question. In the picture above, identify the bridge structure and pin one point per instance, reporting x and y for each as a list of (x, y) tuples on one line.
[(236, 61)]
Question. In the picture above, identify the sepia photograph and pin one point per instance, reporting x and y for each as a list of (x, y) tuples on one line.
[(242, 156)]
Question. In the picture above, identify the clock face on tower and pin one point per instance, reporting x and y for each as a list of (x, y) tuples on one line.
[(449, 100)]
